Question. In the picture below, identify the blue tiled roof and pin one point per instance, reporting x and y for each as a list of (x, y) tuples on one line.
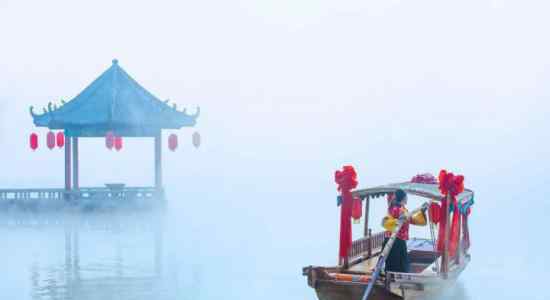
[(114, 101)]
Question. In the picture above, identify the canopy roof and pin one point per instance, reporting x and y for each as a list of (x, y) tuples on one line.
[(430, 191), (114, 102)]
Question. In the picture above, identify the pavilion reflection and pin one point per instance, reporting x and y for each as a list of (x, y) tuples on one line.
[(107, 277)]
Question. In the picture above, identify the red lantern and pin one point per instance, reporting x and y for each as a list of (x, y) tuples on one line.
[(356, 211), (50, 140), (60, 139), (118, 143), (196, 139), (173, 142), (435, 211), (109, 140), (33, 141)]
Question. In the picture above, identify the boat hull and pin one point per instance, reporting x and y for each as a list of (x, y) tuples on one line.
[(402, 286), (328, 290)]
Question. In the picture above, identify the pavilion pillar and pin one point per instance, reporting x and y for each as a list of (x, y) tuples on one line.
[(76, 184), (158, 161), (76, 218), (67, 165)]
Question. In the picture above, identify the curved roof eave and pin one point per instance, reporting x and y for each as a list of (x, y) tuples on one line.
[(114, 98)]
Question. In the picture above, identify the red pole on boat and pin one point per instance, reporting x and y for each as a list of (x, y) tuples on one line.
[(445, 256), (346, 180)]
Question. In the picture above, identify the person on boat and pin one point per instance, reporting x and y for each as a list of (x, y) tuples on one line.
[(398, 258)]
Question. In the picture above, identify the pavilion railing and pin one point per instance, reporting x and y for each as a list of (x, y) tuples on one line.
[(86, 196)]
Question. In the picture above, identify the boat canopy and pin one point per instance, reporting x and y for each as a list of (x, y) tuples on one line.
[(430, 191)]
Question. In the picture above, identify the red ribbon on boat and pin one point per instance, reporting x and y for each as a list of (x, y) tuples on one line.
[(346, 180), (449, 185), (455, 233)]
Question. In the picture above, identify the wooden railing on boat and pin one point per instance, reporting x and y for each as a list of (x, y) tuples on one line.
[(365, 247), (55, 198)]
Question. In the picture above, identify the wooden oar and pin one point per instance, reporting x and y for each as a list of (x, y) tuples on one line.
[(385, 252)]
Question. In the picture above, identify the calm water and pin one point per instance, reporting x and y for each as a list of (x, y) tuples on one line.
[(124, 257)]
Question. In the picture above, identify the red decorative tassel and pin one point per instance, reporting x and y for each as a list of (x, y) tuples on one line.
[(455, 232)]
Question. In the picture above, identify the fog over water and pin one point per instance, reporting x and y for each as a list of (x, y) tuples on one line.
[(289, 92)]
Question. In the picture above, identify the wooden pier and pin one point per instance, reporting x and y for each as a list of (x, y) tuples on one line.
[(86, 199)]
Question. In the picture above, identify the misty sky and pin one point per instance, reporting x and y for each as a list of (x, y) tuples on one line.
[(289, 91), (295, 87)]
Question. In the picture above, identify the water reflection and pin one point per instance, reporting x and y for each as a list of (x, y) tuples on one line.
[(103, 257)]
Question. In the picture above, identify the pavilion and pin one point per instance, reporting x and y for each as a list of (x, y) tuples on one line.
[(115, 104)]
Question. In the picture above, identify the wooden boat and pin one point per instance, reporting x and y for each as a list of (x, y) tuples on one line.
[(432, 271)]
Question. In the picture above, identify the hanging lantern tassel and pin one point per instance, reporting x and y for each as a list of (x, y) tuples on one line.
[(118, 143), (33, 141), (173, 142), (60, 139), (196, 139), (50, 140), (109, 140)]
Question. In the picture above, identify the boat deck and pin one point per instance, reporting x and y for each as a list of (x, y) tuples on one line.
[(421, 253)]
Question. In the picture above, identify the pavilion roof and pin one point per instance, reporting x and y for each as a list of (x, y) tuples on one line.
[(114, 102)]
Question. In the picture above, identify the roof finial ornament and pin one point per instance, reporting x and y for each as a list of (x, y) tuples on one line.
[(31, 109), (197, 113), (49, 107), (115, 61)]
